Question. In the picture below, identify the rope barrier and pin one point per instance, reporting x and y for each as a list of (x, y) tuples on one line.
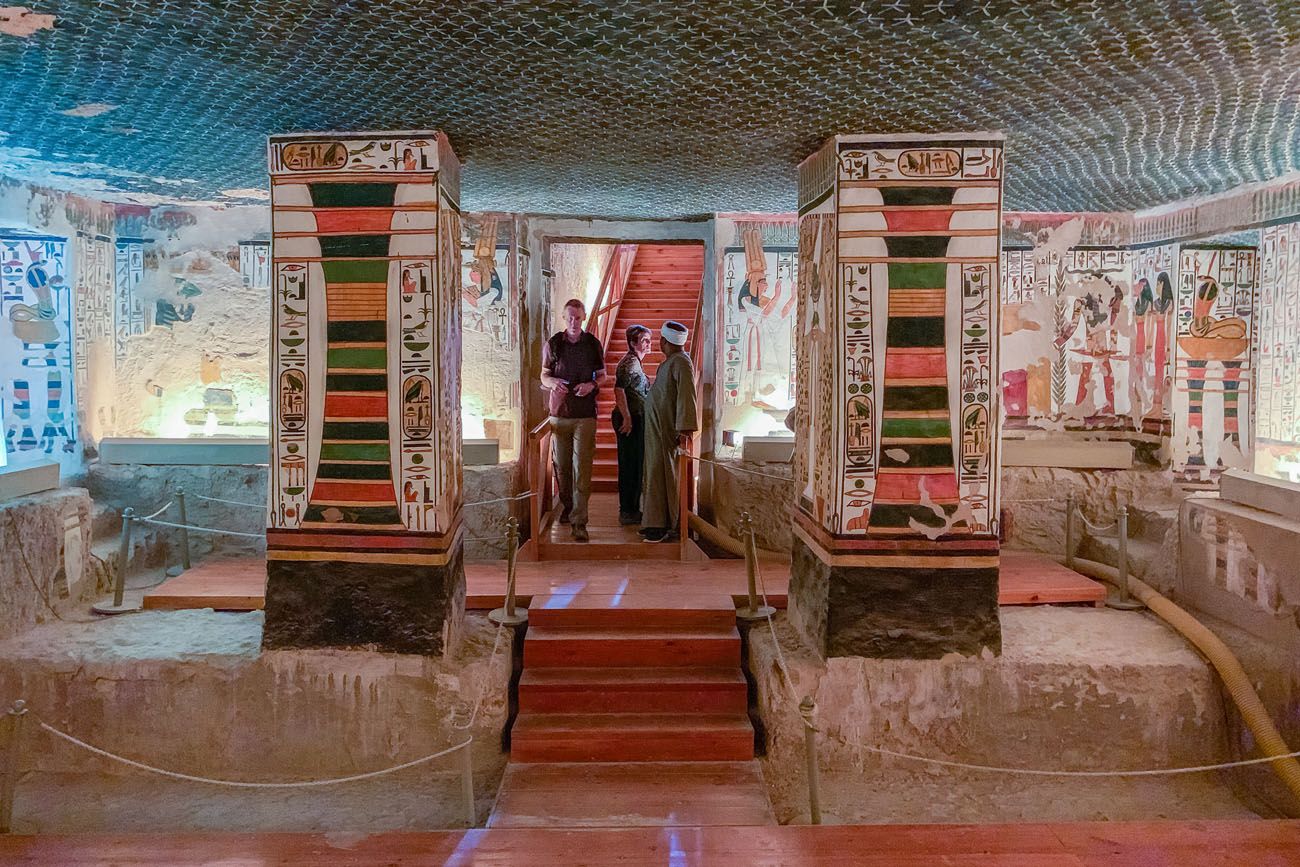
[(246, 784), (1036, 772), (202, 529), (731, 466), (1091, 526), (524, 496), (261, 507), (157, 513)]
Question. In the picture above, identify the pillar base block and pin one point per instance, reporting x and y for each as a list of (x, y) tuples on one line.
[(333, 598), (896, 610)]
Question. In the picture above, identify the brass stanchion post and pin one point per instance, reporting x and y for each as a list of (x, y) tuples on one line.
[(755, 610), (119, 606), (510, 614), (185, 533), (1122, 601), (1069, 531), (806, 709), (9, 782), (467, 783)]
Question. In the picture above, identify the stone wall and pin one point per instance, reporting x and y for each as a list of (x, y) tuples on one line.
[(46, 566), (146, 487), (1074, 688), (190, 691), (1238, 573), (745, 486)]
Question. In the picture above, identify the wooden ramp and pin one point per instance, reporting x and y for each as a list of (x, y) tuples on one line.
[(1066, 844), (239, 584)]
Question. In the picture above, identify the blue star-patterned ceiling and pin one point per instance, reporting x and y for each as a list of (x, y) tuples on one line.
[(657, 109)]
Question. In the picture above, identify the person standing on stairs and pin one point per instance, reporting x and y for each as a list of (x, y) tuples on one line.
[(630, 389), (669, 422), (573, 366)]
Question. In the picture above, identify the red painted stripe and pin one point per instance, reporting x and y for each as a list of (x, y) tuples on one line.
[(355, 220), (356, 406), (351, 492), (907, 487), (915, 365), (917, 221)]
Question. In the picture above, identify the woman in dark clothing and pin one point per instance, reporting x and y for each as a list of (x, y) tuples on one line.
[(630, 389)]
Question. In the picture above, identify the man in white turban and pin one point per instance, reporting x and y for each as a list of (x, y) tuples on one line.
[(669, 422)]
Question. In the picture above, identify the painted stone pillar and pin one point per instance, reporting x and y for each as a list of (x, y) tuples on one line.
[(364, 539), (895, 549)]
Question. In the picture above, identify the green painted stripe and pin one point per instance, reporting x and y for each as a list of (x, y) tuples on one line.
[(354, 452), (914, 331), (915, 396), (376, 359), (355, 271), (916, 427), (900, 515), (918, 275), (360, 331), (352, 195), (918, 455), (357, 514)]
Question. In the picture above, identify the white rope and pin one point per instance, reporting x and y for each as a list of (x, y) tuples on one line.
[(1035, 772), (1091, 526), (522, 496), (243, 784), (780, 653), (259, 506), (478, 702), (731, 466), (202, 529), (155, 514)]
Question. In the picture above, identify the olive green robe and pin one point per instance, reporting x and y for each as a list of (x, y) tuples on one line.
[(669, 410)]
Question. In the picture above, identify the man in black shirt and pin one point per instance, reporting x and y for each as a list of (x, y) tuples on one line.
[(573, 366)]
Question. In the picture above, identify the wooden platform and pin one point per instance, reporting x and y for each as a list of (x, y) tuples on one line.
[(1082, 844), (660, 794), (1029, 578), (609, 540), (239, 584)]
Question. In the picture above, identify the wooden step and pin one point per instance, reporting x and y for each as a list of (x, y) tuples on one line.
[(586, 647), (660, 794), (632, 690), (635, 609), (632, 737)]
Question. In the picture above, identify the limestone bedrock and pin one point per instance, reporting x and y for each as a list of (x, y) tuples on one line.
[(45, 558), (189, 691), (1074, 689)]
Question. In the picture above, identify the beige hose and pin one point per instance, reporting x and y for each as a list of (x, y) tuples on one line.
[(725, 542), (1224, 661)]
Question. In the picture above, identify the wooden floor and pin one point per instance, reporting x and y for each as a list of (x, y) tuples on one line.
[(609, 540), (630, 795), (239, 584), (1086, 844)]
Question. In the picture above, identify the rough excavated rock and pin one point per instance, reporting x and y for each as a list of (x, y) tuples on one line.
[(738, 487), (46, 564), (190, 691), (1074, 688), (146, 487)]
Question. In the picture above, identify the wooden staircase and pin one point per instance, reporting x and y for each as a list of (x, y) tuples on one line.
[(632, 711), (607, 681), (665, 283)]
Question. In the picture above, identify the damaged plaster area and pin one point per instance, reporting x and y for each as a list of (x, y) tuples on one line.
[(1074, 689), (190, 691), (23, 22)]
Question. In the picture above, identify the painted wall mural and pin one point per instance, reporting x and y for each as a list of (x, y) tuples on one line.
[(93, 265), (37, 391), (367, 324), (491, 301), (129, 313), (1277, 440), (1087, 340), (255, 264), (899, 247), (1217, 294), (759, 287)]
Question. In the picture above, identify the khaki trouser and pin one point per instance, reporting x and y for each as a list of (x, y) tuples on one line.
[(573, 444)]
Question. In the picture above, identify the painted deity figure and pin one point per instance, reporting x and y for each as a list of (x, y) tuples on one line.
[(1098, 343), (1151, 309)]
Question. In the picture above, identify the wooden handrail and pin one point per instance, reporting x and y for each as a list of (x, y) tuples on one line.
[(609, 298)]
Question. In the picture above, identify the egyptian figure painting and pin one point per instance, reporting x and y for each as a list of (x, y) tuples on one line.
[(36, 351)]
